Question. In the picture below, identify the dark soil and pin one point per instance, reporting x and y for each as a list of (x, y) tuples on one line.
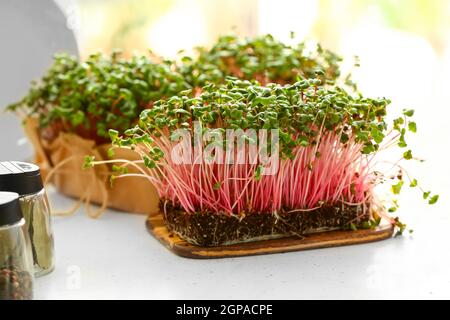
[(212, 229)]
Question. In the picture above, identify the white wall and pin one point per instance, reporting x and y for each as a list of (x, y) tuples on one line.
[(30, 33)]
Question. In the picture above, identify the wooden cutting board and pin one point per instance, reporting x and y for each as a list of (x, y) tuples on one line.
[(155, 225)]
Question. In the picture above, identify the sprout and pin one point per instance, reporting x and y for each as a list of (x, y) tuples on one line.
[(329, 141), (262, 58), (101, 93)]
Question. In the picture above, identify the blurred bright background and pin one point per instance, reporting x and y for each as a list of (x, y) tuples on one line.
[(403, 45)]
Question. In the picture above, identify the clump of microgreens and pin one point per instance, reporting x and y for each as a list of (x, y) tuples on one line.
[(262, 58), (109, 92), (103, 92), (328, 147)]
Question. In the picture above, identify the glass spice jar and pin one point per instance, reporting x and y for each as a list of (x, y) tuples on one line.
[(25, 179), (16, 260)]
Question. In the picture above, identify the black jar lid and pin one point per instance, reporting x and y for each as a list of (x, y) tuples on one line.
[(20, 177), (10, 211)]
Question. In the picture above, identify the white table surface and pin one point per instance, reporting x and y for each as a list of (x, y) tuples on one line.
[(114, 257)]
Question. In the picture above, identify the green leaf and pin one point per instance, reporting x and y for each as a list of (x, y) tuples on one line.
[(119, 169), (377, 135), (408, 112), (407, 155), (412, 127), (363, 136), (258, 172), (112, 178), (113, 134), (182, 111), (217, 185), (433, 199), (426, 194), (88, 162), (304, 143), (77, 118), (236, 114), (396, 188), (398, 122), (401, 227), (149, 163), (264, 100), (366, 225), (401, 139), (319, 72), (111, 153), (413, 183), (368, 148)]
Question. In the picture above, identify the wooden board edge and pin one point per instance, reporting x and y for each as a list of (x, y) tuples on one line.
[(290, 244)]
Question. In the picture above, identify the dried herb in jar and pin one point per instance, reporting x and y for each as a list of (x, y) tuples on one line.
[(35, 212), (25, 179)]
